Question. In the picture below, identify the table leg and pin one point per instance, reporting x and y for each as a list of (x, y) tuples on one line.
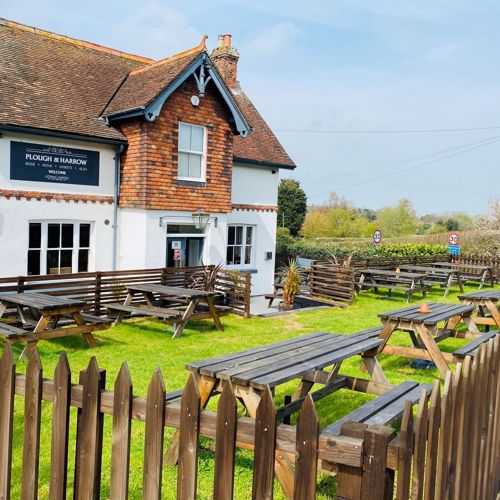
[(471, 326), (149, 298), (213, 313), (127, 302), (460, 282), (385, 334), (432, 349), (206, 386), (31, 345), (495, 313), (448, 285), (186, 316), (3, 308), (89, 338), (304, 387), (374, 369)]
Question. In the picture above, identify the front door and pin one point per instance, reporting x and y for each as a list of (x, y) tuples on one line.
[(184, 251)]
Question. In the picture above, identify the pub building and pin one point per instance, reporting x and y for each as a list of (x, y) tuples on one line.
[(110, 160)]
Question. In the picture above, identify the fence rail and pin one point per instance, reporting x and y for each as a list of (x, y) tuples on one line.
[(332, 282), (451, 449), (101, 288)]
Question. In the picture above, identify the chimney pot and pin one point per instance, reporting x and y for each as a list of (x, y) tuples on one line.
[(227, 40), (220, 41)]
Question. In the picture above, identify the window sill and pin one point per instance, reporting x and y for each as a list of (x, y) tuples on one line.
[(191, 182), (242, 268)]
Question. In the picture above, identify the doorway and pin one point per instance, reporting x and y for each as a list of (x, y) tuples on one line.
[(184, 251)]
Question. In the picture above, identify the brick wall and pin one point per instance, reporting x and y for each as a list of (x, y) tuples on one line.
[(149, 165)]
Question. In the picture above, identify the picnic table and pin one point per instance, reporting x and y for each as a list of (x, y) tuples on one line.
[(43, 316), (443, 276), (425, 333), (302, 359), (486, 304), (471, 272), (181, 305), (409, 282)]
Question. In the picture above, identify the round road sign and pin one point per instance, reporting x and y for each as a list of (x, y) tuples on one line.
[(453, 239), (377, 237)]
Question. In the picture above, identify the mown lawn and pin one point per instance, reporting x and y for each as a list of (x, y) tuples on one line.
[(144, 345)]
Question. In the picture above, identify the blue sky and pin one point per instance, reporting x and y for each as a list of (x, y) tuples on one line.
[(345, 65)]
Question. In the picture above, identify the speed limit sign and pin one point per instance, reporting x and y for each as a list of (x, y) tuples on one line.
[(377, 237), (453, 239)]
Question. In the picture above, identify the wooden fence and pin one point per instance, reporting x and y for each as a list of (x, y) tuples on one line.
[(332, 282), (101, 288), (450, 450)]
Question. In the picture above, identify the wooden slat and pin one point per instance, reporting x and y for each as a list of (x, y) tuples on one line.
[(225, 443), (307, 449), (189, 430), (154, 437), (405, 453), (432, 442), (87, 452), (265, 443), (417, 486), (60, 429), (7, 388), (122, 420)]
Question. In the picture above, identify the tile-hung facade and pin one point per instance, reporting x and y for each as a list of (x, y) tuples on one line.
[(105, 157)]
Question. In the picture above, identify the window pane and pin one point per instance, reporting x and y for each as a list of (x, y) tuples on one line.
[(197, 139), (67, 236), (53, 235), (230, 235), (239, 235), (183, 165), (237, 255), (66, 258), (35, 235), (52, 261), (249, 235), (229, 256), (248, 255), (84, 235), (195, 166), (83, 261), (33, 261), (184, 136)]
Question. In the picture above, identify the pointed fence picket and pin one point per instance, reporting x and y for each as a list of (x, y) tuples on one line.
[(450, 447)]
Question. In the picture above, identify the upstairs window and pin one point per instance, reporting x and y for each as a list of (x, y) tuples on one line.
[(192, 152)]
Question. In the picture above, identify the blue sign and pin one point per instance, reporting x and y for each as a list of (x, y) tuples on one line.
[(454, 249), (62, 165)]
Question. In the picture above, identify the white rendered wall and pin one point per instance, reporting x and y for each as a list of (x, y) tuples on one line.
[(254, 185), (106, 166), (15, 216)]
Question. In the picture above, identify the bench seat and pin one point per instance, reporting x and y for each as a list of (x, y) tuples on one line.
[(10, 331), (471, 348), (384, 409), (144, 310)]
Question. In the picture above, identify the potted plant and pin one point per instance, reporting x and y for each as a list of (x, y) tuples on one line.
[(291, 276)]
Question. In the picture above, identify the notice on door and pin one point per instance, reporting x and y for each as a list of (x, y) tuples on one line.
[(43, 163)]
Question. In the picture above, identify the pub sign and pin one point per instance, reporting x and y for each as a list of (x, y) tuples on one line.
[(62, 165)]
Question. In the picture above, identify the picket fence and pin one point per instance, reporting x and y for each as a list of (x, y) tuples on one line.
[(450, 450)]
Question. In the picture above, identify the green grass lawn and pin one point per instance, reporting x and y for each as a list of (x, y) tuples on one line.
[(147, 344)]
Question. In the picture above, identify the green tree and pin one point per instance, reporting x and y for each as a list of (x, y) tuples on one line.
[(292, 205), (400, 220)]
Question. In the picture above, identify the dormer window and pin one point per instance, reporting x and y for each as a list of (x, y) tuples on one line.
[(192, 152)]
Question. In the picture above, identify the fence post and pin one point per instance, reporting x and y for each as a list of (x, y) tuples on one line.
[(248, 292), (20, 284), (163, 276), (377, 481), (97, 295)]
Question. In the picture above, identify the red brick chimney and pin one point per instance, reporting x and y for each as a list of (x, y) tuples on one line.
[(225, 59)]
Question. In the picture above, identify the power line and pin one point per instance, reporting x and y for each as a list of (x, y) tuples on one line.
[(403, 131), (494, 140), (383, 165)]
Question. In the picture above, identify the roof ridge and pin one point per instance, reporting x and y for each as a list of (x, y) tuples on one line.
[(74, 41), (194, 50)]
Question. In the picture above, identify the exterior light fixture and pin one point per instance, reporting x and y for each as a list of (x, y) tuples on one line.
[(200, 220)]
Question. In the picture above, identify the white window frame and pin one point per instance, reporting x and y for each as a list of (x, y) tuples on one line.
[(243, 245), (75, 248), (203, 154)]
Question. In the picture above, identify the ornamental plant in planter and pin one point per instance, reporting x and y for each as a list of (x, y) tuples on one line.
[(291, 276)]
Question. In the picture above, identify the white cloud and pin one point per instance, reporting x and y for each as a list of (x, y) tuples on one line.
[(273, 39)]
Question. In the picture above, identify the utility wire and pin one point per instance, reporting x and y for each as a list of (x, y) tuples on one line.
[(497, 139), (403, 131), (408, 159)]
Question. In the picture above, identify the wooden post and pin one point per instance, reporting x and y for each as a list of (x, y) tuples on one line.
[(20, 284), (97, 294), (248, 293)]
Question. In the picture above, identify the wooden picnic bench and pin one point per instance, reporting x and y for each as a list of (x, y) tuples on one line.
[(184, 309), (408, 282), (486, 304), (40, 316), (425, 333), (303, 359), (442, 276), (471, 272)]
